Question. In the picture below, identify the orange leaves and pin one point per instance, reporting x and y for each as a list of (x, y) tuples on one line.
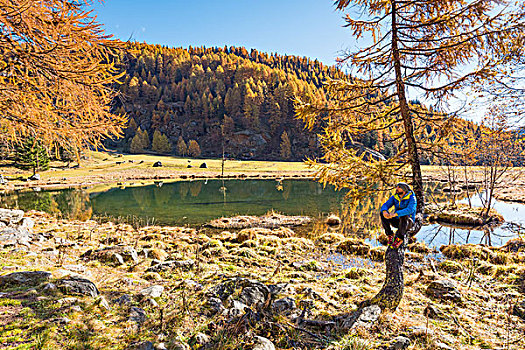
[(58, 67)]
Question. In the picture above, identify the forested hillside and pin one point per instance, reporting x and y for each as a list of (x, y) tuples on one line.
[(206, 95), (192, 101)]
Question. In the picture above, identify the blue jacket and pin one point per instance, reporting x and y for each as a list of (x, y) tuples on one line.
[(405, 206)]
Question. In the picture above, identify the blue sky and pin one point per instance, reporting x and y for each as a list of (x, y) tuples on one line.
[(311, 28)]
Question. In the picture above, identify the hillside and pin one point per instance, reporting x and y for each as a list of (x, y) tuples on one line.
[(192, 93)]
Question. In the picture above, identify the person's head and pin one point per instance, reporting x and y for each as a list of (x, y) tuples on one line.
[(402, 189)]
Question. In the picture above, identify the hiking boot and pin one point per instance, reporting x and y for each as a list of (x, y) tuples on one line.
[(397, 243)]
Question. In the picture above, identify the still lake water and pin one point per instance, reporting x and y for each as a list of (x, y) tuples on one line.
[(198, 202)]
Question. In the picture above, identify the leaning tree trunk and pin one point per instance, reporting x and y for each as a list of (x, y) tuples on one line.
[(391, 294)]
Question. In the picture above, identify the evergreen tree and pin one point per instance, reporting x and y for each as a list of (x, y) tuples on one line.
[(194, 150), (31, 155), (182, 149), (286, 146), (160, 143)]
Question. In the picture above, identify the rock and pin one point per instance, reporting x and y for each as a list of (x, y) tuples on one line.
[(441, 346), (49, 288), (157, 164), (519, 310), (443, 289), (11, 216), (61, 320), (78, 285), (172, 264), (261, 343), (363, 317), (152, 292), (333, 220), (215, 305), (116, 255), (35, 177), (3, 181), (399, 343), (161, 346), (75, 308), (124, 299), (189, 166), (254, 293), (15, 235), (24, 279), (151, 302), (103, 303), (145, 345), (137, 315), (284, 305), (433, 312), (203, 166), (200, 339), (236, 310), (177, 345)]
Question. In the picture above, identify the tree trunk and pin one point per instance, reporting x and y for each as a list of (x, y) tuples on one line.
[(391, 294), (417, 179)]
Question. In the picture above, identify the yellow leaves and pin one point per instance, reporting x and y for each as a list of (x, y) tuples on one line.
[(60, 74)]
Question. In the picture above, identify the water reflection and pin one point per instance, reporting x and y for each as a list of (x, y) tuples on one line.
[(197, 202)]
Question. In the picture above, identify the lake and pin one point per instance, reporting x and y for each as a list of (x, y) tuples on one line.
[(197, 202)]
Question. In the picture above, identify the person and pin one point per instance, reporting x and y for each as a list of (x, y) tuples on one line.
[(403, 217)]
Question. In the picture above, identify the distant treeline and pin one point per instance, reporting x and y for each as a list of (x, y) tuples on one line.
[(216, 96)]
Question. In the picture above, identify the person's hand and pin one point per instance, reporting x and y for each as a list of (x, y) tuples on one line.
[(387, 215)]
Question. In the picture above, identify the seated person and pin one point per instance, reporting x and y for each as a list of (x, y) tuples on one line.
[(404, 202)]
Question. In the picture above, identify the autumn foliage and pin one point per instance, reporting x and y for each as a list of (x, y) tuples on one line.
[(56, 71)]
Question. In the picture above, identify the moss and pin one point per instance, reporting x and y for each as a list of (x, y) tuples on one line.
[(419, 247), (378, 253), (450, 266), (462, 214), (355, 273), (354, 246)]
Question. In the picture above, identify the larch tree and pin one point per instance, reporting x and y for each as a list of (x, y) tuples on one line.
[(428, 49), (182, 149), (57, 68), (160, 143), (194, 150), (286, 146)]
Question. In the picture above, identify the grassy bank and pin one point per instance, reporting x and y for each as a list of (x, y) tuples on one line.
[(324, 291)]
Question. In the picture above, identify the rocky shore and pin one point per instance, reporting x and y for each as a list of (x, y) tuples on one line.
[(71, 285)]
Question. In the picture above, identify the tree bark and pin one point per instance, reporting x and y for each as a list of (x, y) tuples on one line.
[(417, 179), (390, 295)]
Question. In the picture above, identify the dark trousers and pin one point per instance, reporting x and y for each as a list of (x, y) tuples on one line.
[(403, 224)]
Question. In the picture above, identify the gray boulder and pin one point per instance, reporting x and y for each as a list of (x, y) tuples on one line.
[(24, 279), (444, 290), (145, 345), (35, 177), (203, 166), (364, 317), (77, 285), (152, 292), (137, 315), (399, 343), (172, 264), (284, 305), (157, 164), (116, 255), (261, 343), (11, 216)]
